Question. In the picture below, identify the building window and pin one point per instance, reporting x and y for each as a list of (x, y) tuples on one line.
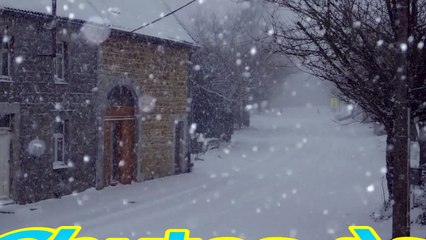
[(6, 121), (5, 58), (60, 62), (60, 137)]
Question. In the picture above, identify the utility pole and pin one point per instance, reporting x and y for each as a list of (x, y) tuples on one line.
[(401, 178)]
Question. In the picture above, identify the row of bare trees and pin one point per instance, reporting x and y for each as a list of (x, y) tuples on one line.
[(232, 68), (373, 53)]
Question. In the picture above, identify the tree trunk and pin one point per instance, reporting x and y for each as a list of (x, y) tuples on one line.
[(401, 183), (422, 144), (390, 155)]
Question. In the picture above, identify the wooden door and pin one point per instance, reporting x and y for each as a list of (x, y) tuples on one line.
[(108, 151), (120, 140), (117, 152), (119, 146), (127, 151)]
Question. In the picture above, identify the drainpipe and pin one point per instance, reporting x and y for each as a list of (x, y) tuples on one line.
[(191, 112), (54, 27)]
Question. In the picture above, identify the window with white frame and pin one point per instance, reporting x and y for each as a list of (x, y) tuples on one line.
[(5, 58), (60, 134), (60, 62)]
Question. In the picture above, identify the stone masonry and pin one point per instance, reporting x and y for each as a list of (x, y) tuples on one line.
[(152, 68)]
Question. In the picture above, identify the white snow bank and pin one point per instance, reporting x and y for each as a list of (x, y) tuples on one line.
[(299, 174)]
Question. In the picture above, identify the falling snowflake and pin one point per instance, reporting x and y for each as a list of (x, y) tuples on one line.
[(193, 128), (86, 158), (253, 51), (370, 188), (96, 30), (147, 103), (19, 59), (404, 47)]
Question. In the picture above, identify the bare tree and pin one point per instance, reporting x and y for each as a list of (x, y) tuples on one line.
[(358, 46), (233, 60)]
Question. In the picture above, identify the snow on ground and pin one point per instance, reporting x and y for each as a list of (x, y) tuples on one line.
[(299, 174)]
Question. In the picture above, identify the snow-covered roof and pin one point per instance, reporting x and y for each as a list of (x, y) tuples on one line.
[(126, 15)]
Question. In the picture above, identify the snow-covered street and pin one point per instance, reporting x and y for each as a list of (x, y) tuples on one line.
[(298, 174)]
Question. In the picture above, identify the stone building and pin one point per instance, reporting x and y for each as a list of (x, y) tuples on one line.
[(104, 105)]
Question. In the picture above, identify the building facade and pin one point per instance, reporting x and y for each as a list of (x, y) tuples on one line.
[(154, 76), (78, 114)]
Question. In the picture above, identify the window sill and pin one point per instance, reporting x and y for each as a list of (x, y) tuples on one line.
[(60, 81), (59, 165), (6, 79)]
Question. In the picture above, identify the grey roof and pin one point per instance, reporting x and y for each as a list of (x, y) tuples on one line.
[(125, 15)]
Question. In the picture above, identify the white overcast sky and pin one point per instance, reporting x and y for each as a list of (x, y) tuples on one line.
[(221, 7)]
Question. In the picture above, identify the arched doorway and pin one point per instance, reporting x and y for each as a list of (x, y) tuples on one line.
[(120, 137)]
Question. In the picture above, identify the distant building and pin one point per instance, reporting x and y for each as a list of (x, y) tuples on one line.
[(109, 107)]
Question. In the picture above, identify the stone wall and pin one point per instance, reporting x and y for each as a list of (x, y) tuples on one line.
[(156, 70), (33, 87), (150, 67)]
